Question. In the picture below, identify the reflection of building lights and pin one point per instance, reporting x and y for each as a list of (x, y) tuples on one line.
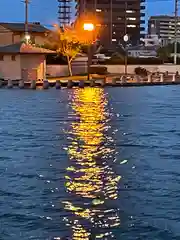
[(90, 177)]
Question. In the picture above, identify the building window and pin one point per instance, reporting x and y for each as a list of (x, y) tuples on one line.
[(1, 58), (131, 18), (130, 11), (131, 26), (13, 58)]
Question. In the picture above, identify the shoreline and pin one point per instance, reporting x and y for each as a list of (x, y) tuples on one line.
[(83, 83)]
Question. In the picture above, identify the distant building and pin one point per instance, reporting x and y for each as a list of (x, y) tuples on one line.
[(116, 18), (142, 52), (11, 33), (151, 40), (64, 13), (164, 27)]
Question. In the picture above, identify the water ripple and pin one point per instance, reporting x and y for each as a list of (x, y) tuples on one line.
[(96, 162)]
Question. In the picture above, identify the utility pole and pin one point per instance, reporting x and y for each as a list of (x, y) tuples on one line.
[(84, 6), (175, 31), (125, 33), (111, 20), (95, 6), (26, 21)]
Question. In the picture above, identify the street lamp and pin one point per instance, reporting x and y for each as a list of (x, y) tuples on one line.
[(27, 38), (90, 28), (125, 38)]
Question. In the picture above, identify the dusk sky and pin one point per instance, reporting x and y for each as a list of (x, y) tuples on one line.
[(45, 11)]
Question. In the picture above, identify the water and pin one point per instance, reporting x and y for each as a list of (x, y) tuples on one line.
[(90, 164)]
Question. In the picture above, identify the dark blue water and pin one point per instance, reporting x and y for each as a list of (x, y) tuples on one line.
[(90, 164)]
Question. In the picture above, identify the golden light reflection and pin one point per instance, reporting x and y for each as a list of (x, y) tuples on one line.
[(90, 180)]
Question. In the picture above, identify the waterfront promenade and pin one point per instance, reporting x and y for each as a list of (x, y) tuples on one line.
[(109, 80)]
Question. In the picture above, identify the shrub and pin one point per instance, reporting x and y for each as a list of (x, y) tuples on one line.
[(101, 70), (140, 71)]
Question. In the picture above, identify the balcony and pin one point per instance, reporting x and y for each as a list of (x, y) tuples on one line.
[(142, 21)]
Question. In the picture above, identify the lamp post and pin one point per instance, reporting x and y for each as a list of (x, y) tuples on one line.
[(125, 38), (89, 27)]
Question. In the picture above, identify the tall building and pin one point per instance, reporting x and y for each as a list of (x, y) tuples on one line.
[(64, 12), (164, 27), (116, 18)]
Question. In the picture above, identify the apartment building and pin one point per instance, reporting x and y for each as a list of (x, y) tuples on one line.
[(116, 18), (164, 27)]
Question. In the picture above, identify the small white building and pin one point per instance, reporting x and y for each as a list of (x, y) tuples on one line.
[(23, 61), (142, 52), (151, 40)]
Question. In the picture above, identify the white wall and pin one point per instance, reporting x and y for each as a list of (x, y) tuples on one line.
[(62, 70), (57, 70), (10, 69), (152, 68)]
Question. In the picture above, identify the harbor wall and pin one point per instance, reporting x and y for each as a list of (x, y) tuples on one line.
[(62, 70)]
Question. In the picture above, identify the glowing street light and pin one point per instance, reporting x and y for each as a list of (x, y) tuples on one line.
[(27, 38), (90, 28), (126, 38)]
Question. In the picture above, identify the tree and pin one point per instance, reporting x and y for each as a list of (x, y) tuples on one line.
[(65, 42), (164, 53)]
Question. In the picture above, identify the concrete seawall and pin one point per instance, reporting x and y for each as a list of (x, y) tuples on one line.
[(116, 81), (62, 70)]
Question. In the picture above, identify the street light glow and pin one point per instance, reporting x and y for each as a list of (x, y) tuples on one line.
[(88, 26), (126, 38)]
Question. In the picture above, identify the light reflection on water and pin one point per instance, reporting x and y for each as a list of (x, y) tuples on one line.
[(90, 180)]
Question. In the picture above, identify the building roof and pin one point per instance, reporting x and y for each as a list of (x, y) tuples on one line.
[(20, 27), (162, 17), (23, 48), (142, 48)]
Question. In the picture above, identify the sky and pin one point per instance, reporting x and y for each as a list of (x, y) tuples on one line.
[(45, 11)]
